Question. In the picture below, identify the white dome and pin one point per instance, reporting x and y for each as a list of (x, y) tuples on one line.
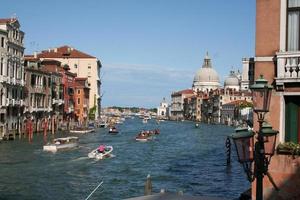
[(231, 81), (206, 75), (206, 78)]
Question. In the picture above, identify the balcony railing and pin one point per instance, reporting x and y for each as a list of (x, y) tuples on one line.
[(288, 65)]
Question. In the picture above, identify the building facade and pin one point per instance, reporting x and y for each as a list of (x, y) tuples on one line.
[(177, 105), (83, 65), (38, 97), (81, 101), (11, 77), (277, 58)]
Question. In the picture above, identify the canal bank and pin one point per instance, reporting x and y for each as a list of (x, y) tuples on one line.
[(181, 158)]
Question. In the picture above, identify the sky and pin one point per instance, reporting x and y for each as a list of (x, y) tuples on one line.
[(148, 48)]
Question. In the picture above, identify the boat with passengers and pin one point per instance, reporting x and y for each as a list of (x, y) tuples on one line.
[(101, 152)]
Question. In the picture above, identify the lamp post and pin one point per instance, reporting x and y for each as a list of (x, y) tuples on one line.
[(264, 146)]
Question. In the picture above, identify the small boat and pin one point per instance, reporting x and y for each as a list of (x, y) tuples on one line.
[(145, 120), (101, 155), (103, 125), (144, 136), (197, 125), (89, 130), (61, 143), (113, 130)]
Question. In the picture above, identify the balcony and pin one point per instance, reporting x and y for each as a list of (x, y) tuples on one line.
[(288, 68), (57, 101)]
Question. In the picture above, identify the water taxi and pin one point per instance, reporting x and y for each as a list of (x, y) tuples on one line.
[(89, 130), (61, 143)]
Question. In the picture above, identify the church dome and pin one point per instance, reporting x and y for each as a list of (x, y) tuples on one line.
[(206, 75), (206, 78), (231, 80)]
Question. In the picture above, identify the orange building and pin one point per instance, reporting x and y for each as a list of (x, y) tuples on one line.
[(277, 57), (81, 100)]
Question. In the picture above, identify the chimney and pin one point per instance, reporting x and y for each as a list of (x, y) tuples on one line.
[(55, 50), (35, 54), (49, 50)]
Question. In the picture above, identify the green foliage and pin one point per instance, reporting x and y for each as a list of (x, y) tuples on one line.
[(132, 109), (92, 113), (245, 105), (289, 147)]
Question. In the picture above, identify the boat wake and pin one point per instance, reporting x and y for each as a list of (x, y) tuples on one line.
[(79, 159)]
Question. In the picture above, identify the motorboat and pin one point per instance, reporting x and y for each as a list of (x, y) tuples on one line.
[(113, 130), (89, 130), (61, 143), (96, 154), (144, 136), (141, 138)]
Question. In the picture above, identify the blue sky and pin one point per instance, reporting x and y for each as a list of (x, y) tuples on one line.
[(147, 48)]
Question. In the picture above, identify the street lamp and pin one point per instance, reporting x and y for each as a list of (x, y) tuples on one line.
[(264, 146)]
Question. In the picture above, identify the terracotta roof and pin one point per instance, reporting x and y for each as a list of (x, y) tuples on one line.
[(63, 52), (186, 91), (30, 58), (237, 102), (7, 20)]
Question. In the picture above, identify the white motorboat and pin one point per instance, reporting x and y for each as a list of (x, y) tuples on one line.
[(98, 155), (82, 130), (61, 143)]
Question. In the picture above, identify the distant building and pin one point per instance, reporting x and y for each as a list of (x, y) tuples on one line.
[(177, 105), (83, 65), (234, 112), (206, 78), (247, 74), (163, 109)]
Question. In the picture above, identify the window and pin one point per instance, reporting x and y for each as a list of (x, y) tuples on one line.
[(293, 21), (1, 66), (78, 101), (292, 119), (78, 91), (75, 66), (2, 41)]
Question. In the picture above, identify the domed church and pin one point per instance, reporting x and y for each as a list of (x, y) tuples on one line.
[(206, 78), (232, 82)]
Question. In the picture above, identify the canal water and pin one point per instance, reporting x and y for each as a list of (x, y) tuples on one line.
[(181, 158)]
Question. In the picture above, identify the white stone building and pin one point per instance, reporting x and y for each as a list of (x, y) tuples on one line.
[(163, 109), (11, 77)]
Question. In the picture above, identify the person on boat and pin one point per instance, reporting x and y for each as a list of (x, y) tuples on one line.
[(101, 148)]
